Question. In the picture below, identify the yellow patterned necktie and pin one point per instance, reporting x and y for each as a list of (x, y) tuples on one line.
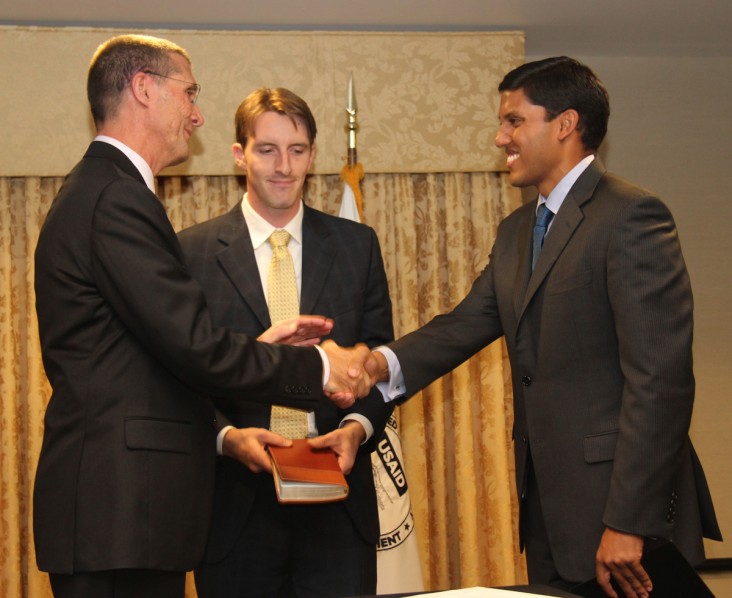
[(284, 305)]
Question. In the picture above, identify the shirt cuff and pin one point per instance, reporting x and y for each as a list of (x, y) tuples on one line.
[(394, 388), (326, 365), (220, 439), (368, 428)]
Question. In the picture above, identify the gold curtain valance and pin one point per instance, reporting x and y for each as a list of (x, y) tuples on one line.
[(427, 101)]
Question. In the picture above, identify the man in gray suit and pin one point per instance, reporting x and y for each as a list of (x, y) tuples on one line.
[(599, 333), (258, 547)]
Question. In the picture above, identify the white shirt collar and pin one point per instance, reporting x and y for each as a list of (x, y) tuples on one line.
[(139, 162), (260, 229), (559, 193)]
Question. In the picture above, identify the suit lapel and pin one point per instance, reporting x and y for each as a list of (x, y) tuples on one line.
[(523, 269), (237, 259), (317, 258), (565, 223)]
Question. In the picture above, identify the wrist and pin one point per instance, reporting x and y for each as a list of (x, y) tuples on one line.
[(220, 440), (382, 372), (356, 429)]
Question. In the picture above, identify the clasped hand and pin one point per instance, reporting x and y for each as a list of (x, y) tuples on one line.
[(353, 373)]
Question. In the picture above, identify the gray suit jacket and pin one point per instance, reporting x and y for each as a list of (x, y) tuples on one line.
[(342, 278), (599, 338), (125, 476)]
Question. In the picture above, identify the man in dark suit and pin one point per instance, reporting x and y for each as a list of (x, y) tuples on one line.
[(599, 334), (124, 485), (257, 546)]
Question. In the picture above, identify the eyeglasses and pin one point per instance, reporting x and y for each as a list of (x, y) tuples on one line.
[(193, 91)]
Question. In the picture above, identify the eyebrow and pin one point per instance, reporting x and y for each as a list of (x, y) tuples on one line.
[(264, 143)]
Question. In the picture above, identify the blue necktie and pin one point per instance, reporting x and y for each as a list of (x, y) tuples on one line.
[(543, 217)]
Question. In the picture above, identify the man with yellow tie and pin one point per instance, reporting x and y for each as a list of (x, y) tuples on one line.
[(267, 260)]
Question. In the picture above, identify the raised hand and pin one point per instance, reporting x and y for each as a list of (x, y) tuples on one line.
[(619, 558), (344, 442), (248, 445), (301, 331), (348, 379)]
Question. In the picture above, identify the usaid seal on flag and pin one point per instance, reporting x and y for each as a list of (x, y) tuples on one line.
[(397, 556)]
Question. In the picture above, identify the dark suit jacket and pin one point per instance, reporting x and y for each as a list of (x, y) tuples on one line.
[(125, 477), (342, 278), (599, 338)]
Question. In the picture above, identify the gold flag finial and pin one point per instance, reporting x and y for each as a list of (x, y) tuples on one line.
[(352, 126)]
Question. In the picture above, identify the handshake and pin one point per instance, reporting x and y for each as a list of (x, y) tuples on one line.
[(353, 371)]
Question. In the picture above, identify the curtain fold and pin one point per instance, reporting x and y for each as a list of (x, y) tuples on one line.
[(25, 390), (436, 231)]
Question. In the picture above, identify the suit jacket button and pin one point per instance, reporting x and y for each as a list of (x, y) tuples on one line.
[(526, 380)]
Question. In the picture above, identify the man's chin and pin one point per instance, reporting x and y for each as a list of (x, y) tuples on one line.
[(179, 159), (517, 180)]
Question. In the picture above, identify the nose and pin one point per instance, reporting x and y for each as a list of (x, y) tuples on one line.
[(502, 138), (197, 116), (283, 164)]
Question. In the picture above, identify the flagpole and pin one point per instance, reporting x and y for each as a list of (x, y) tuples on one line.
[(352, 126), (352, 171)]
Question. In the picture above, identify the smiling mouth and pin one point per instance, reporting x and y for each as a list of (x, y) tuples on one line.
[(511, 158)]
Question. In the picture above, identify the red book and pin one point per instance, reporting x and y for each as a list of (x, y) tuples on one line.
[(306, 475)]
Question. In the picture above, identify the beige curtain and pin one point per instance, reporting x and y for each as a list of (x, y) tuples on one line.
[(436, 231), (25, 390)]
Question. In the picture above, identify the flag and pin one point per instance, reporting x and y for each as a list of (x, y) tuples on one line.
[(352, 201), (398, 568), (397, 555), (349, 207)]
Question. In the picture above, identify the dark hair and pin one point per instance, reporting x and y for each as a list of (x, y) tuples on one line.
[(561, 83), (114, 64), (279, 100)]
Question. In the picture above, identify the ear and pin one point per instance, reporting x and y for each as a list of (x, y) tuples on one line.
[(140, 87), (239, 158), (312, 156), (568, 123)]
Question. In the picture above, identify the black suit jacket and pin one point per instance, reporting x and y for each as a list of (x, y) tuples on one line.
[(599, 337), (342, 278), (125, 476)]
